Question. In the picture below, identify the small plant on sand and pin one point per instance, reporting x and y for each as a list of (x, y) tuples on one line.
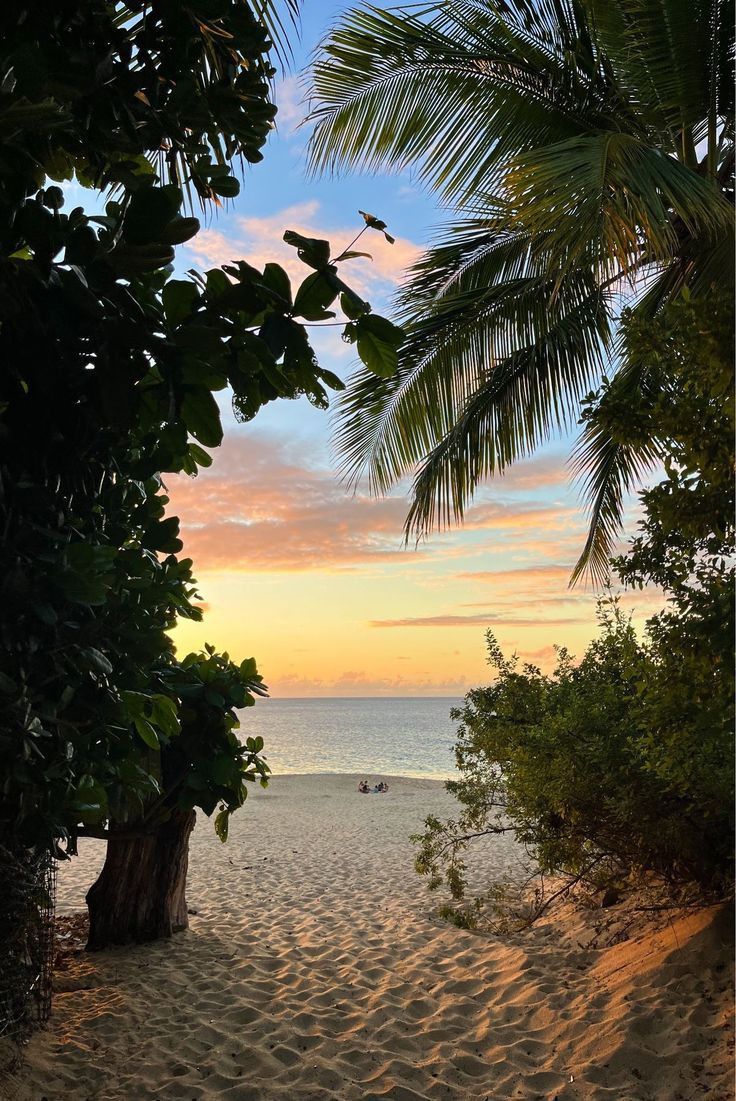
[(464, 917)]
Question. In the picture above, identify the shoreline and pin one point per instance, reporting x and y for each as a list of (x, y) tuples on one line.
[(315, 968), (435, 778)]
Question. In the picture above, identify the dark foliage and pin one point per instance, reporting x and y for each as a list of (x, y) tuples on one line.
[(110, 367)]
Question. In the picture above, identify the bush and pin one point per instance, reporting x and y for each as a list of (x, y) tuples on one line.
[(621, 766)]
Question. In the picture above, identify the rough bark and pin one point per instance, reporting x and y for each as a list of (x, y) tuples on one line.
[(140, 893)]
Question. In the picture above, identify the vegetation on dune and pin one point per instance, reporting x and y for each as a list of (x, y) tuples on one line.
[(586, 153), (110, 370), (620, 767)]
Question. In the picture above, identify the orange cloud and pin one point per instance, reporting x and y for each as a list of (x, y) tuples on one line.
[(259, 509), (357, 682), (545, 573), (256, 509), (535, 473), (521, 517), (545, 657), (546, 587), (487, 619)]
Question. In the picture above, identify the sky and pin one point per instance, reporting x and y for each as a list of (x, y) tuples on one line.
[(314, 579)]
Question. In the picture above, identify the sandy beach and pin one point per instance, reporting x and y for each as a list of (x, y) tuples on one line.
[(315, 968)]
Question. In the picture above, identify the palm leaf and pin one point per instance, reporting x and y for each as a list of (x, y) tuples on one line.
[(281, 20), (607, 469), (583, 144), (456, 96), (524, 398), (514, 356)]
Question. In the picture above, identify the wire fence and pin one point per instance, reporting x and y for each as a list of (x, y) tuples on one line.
[(27, 899)]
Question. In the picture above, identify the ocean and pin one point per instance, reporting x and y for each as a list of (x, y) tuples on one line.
[(395, 736)]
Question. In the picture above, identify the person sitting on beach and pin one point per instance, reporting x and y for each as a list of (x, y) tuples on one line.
[(363, 787), (380, 787)]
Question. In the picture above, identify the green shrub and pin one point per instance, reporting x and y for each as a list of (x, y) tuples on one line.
[(621, 765)]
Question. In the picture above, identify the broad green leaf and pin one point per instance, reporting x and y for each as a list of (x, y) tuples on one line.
[(313, 297), (178, 297), (150, 211), (202, 340), (136, 259), (331, 379), (378, 355), (146, 732), (276, 279), (98, 660), (135, 702), (200, 456), (382, 328), (81, 589), (222, 822), (201, 416), (165, 715), (225, 771), (217, 282), (352, 305), (248, 668), (311, 250), (90, 801), (274, 333), (180, 230), (228, 187)]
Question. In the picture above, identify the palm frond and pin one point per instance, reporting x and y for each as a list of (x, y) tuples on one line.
[(604, 200), (673, 55), (523, 399), (568, 135), (607, 469), (474, 301), (456, 95), (281, 20)]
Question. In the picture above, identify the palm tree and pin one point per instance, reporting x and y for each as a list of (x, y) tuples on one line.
[(586, 151)]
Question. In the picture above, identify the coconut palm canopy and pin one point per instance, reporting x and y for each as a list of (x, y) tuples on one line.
[(586, 152)]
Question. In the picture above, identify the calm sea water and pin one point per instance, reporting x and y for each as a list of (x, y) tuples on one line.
[(389, 737)]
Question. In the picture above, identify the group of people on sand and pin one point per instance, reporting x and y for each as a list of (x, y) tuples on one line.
[(365, 788)]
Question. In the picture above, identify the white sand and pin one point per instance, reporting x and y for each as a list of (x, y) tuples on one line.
[(314, 969)]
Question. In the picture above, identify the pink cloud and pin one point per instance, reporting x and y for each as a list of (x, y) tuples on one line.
[(258, 508), (260, 240), (535, 473), (547, 587), (520, 516), (545, 657)]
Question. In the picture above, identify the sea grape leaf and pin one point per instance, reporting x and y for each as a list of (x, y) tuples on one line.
[(311, 250)]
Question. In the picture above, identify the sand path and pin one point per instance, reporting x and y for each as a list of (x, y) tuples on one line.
[(314, 970)]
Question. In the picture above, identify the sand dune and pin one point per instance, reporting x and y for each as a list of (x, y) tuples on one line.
[(314, 969)]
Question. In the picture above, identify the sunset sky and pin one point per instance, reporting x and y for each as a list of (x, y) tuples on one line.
[(313, 580)]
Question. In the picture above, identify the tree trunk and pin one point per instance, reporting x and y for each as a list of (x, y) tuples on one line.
[(139, 894)]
